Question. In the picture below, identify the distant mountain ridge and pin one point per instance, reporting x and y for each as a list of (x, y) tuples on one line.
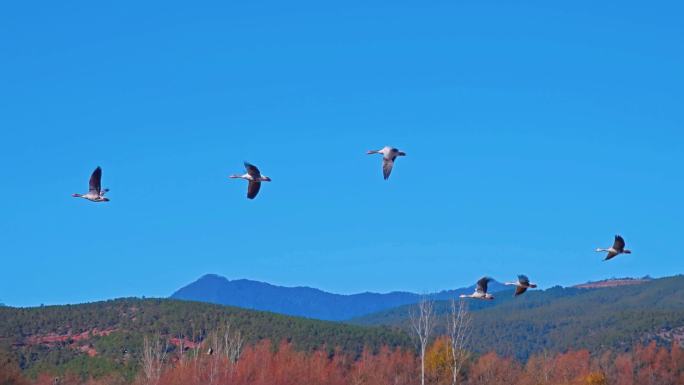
[(303, 301)]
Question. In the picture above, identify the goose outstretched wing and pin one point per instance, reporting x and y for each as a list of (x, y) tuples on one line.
[(94, 185), (519, 290), (482, 285), (619, 244), (252, 170), (611, 254), (253, 189), (387, 165)]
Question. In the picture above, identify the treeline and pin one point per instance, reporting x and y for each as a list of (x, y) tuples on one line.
[(126, 321), (266, 364), (559, 318), (189, 319)]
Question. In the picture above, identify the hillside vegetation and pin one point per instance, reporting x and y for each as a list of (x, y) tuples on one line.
[(558, 319), (101, 337)]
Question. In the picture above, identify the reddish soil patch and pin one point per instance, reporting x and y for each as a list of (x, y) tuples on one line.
[(53, 338), (71, 339), (187, 344), (89, 350)]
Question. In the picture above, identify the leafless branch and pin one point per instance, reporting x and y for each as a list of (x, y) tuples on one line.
[(422, 323), (153, 358), (459, 327)]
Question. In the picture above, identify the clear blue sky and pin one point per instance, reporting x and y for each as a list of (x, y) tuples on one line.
[(535, 131)]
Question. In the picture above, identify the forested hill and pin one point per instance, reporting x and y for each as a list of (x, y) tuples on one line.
[(561, 318), (107, 336), (302, 301)]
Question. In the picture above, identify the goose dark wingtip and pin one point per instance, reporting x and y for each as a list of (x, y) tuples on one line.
[(253, 189)]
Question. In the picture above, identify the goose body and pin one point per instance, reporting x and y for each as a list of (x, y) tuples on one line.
[(480, 290), (615, 250), (95, 191), (389, 154), (254, 177), (521, 285)]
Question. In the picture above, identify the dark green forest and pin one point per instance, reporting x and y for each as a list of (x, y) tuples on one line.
[(104, 337), (558, 319), (128, 320)]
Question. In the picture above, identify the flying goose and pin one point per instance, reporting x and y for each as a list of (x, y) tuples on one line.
[(389, 154), (617, 248), (480, 290), (254, 177), (95, 192), (522, 285)]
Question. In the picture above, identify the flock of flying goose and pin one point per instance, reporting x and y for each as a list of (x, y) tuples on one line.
[(523, 283), (254, 177)]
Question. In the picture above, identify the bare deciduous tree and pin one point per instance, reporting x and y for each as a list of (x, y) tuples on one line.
[(422, 323), (232, 343), (153, 357), (181, 348), (223, 343), (458, 325)]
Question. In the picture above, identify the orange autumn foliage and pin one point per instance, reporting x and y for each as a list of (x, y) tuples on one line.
[(493, 369), (265, 364), (438, 362), (262, 365)]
